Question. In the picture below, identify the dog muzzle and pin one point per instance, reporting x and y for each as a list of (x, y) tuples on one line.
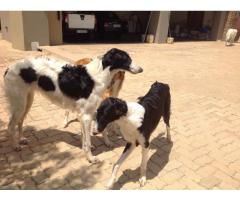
[(135, 69)]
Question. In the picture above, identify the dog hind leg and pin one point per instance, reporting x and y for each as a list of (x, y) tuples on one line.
[(29, 102), (166, 116), (143, 167), (17, 111), (12, 132)]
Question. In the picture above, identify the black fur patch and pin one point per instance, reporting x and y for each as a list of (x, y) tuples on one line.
[(46, 83), (116, 59), (110, 109), (5, 73), (156, 104), (75, 82), (28, 75), (146, 144)]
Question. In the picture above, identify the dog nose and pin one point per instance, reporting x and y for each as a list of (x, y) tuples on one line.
[(140, 70)]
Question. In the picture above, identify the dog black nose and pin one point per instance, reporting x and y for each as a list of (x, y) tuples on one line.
[(140, 70)]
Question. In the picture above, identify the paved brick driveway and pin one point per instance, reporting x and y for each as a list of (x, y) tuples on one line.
[(204, 78)]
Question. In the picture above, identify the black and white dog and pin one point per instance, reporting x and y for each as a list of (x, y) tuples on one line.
[(75, 88), (136, 121)]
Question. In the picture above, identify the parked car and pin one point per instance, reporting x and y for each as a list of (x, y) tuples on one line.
[(109, 25), (79, 24)]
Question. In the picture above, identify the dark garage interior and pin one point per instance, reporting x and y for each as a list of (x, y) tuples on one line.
[(104, 26), (191, 25)]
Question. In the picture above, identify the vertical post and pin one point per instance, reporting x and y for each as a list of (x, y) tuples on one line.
[(162, 27), (218, 25)]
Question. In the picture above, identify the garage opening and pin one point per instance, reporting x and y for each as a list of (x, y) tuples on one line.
[(191, 25), (104, 26)]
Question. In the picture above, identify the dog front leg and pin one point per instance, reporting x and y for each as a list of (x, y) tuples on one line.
[(126, 152), (143, 167), (86, 139)]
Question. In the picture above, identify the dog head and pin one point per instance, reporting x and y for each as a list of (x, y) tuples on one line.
[(110, 110), (119, 60)]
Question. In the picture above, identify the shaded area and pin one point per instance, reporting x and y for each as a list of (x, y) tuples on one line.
[(205, 124), (53, 159), (159, 159), (2, 123)]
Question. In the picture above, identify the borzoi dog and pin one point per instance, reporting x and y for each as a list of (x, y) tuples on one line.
[(136, 121), (111, 91), (74, 88)]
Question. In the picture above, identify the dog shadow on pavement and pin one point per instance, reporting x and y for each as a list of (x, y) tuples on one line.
[(156, 162), (43, 151), (55, 135), (52, 159), (97, 140), (74, 139)]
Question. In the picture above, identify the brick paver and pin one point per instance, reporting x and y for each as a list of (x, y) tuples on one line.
[(204, 81)]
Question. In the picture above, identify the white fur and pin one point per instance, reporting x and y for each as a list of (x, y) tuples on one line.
[(116, 86), (20, 94), (129, 125), (132, 121), (230, 36)]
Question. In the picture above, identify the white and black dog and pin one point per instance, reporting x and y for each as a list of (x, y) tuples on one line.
[(136, 121), (75, 88)]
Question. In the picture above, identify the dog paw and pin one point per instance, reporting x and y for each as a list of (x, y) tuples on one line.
[(23, 141), (18, 148), (142, 181), (93, 159)]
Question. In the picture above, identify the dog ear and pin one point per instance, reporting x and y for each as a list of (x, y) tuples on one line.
[(111, 56), (107, 58), (121, 108), (99, 112), (106, 61)]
